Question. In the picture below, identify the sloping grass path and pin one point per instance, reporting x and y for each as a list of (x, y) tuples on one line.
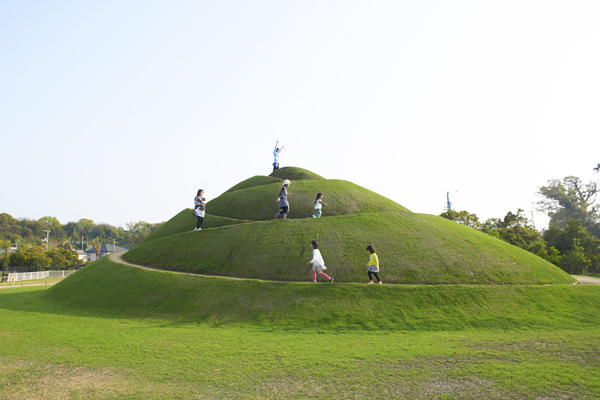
[(117, 257)]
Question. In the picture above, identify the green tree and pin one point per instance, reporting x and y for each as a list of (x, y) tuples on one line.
[(574, 242), (575, 261), (52, 221), (462, 217), (4, 245), (569, 199), (62, 257), (30, 257), (515, 229)]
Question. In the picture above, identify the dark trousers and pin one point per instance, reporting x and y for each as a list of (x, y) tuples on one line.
[(376, 276), (275, 166), (200, 221)]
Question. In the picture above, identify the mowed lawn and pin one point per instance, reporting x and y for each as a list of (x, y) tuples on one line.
[(55, 345)]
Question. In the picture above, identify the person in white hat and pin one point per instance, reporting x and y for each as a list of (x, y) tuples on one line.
[(284, 205)]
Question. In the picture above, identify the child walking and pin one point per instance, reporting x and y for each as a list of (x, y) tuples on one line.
[(199, 208), (318, 263), (373, 265), (318, 204)]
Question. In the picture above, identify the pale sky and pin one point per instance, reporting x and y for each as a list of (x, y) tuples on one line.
[(119, 111)]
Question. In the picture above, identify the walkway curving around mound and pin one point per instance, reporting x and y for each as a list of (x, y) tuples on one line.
[(586, 280), (118, 258)]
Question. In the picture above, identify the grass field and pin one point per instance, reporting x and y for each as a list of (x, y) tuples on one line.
[(112, 331), (479, 319), (49, 281)]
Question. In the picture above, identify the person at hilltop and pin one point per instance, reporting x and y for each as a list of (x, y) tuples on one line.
[(276, 153), (284, 205), (373, 265), (199, 208), (318, 204), (317, 263)]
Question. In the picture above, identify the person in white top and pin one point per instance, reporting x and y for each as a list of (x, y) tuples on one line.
[(276, 156), (199, 208), (318, 263), (318, 204)]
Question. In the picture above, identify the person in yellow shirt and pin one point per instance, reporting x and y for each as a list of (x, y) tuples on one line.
[(373, 265)]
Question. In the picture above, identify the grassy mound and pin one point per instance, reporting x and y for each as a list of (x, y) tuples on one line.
[(294, 174), (114, 290), (413, 248), (185, 222), (257, 180), (342, 197)]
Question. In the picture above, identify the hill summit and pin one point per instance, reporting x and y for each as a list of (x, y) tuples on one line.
[(240, 238)]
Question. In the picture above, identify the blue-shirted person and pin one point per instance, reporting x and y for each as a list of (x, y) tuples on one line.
[(276, 155)]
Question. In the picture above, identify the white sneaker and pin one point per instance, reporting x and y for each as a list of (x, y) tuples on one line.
[(314, 216)]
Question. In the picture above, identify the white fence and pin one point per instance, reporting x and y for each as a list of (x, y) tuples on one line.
[(25, 276)]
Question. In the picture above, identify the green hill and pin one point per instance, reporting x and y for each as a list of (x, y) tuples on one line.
[(185, 221), (295, 173), (412, 248), (241, 239), (257, 180), (259, 202), (114, 290)]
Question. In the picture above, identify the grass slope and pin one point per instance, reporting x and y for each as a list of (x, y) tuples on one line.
[(341, 197), (185, 222), (413, 248), (113, 290), (294, 173), (257, 180), (181, 337)]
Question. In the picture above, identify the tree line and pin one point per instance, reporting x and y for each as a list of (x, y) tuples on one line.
[(29, 237), (572, 240)]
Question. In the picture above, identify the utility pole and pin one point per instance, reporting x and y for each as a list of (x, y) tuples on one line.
[(47, 235), (81, 242)]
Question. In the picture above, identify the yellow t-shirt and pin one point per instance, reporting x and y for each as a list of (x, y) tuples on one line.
[(373, 263)]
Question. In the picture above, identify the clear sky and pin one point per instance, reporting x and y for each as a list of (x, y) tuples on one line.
[(119, 111)]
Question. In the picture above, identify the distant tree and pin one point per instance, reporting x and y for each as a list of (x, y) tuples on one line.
[(462, 217), (7, 220), (85, 226), (516, 230), (96, 244), (62, 257), (574, 242), (30, 257), (575, 261), (52, 221), (569, 199), (4, 245)]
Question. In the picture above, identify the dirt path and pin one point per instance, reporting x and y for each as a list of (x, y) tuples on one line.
[(586, 280), (117, 257)]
